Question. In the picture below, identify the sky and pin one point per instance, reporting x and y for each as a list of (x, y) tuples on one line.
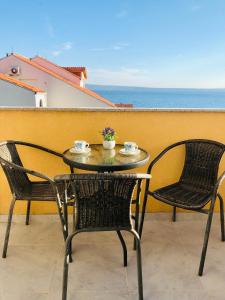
[(149, 43)]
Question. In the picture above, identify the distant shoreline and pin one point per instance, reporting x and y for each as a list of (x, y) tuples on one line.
[(162, 97), (92, 85)]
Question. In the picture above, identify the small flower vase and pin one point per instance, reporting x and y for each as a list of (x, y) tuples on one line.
[(109, 144)]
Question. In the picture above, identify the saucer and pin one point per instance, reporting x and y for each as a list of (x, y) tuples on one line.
[(78, 151), (129, 153)]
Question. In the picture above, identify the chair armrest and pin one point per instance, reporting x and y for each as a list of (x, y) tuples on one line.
[(161, 154), (143, 176), (219, 182), (158, 157), (63, 177), (37, 147), (27, 171)]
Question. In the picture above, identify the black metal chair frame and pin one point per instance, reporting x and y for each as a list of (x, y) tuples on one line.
[(102, 177), (212, 198), (134, 216), (7, 165)]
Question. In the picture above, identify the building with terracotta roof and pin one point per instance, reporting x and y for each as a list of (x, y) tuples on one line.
[(62, 87), (12, 90), (81, 72)]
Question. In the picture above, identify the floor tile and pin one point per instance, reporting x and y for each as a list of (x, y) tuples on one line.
[(171, 252)]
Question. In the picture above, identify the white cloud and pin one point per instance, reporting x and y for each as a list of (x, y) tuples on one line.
[(49, 27), (56, 52), (122, 14), (134, 71), (119, 46), (116, 47), (122, 76), (67, 46), (168, 78)]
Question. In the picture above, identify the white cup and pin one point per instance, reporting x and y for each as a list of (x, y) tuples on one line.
[(80, 145), (130, 146)]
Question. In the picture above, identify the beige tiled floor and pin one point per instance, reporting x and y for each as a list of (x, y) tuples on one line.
[(171, 251)]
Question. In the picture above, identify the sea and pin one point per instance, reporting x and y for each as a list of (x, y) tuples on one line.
[(162, 97)]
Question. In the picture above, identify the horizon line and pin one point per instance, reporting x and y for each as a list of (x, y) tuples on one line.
[(155, 87)]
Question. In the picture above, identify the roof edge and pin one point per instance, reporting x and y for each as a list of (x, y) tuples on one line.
[(71, 67), (20, 83), (84, 90), (52, 64)]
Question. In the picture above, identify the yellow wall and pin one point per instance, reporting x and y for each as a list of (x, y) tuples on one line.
[(152, 130)]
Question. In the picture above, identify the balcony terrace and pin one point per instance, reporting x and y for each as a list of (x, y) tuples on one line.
[(171, 251)]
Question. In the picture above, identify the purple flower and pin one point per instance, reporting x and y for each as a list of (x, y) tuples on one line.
[(108, 133), (108, 130)]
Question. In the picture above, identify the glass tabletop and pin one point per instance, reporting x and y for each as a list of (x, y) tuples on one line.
[(102, 160)]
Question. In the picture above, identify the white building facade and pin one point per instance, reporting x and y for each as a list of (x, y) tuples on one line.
[(16, 93), (61, 89)]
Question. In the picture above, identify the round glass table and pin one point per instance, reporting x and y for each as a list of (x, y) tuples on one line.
[(102, 160)]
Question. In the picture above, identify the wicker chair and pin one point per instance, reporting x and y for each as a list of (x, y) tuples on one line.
[(103, 204), (197, 186), (22, 188)]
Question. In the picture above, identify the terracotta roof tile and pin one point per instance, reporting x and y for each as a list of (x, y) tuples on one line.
[(84, 90), (20, 83), (124, 105), (77, 70), (43, 58)]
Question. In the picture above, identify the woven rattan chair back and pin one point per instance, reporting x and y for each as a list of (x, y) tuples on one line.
[(103, 204), (103, 200), (201, 164), (17, 179)]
